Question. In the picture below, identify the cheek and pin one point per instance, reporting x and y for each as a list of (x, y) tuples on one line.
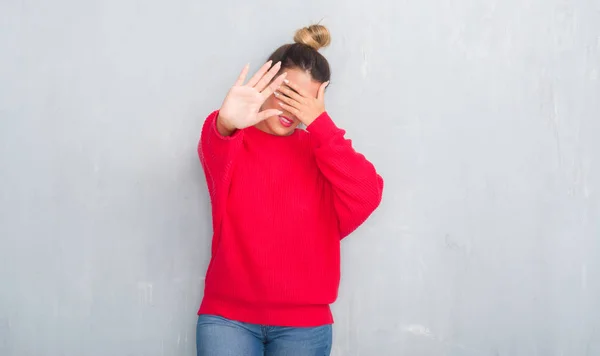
[(271, 103)]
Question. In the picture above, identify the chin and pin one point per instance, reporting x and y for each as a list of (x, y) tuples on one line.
[(277, 128)]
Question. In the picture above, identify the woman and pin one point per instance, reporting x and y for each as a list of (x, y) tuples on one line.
[(282, 199)]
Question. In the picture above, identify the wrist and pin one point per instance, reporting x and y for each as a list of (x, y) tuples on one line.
[(223, 127), (313, 118), (323, 127)]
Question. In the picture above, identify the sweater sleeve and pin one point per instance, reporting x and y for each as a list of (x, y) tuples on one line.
[(357, 187), (217, 154)]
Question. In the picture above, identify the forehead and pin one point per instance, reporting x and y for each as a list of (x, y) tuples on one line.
[(303, 80)]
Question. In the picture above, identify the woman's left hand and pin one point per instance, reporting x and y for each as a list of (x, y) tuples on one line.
[(297, 102)]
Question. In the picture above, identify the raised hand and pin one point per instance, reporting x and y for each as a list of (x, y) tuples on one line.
[(304, 106), (241, 106)]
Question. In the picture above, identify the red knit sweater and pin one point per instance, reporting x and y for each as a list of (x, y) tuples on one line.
[(280, 206)]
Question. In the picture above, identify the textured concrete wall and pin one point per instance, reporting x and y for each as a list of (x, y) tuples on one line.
[(482, 116)]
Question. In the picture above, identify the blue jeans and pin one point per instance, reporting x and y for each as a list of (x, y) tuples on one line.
[(217, 336)]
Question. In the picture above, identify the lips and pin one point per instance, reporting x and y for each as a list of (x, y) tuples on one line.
[(285, 121)]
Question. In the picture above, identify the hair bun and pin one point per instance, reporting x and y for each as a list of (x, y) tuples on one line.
[(314, 36)]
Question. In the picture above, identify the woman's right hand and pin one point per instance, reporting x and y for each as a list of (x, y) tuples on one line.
[(241, 106)]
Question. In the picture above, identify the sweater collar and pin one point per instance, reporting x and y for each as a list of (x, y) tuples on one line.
[(261, 135)]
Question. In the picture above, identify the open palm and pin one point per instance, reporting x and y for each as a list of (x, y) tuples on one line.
[(241, 107)]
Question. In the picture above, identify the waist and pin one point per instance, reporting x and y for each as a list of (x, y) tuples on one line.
[(268, 314)]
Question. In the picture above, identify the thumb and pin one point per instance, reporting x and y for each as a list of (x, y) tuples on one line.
[(265, 114), (321, 94)]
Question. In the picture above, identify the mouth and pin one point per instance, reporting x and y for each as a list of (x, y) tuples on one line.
[(286, 122)]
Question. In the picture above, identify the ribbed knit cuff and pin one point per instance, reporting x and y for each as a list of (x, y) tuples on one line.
[(233, 136), (322, 128)]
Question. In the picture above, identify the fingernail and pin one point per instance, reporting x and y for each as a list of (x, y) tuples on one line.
[(276, 93), (286, 81), (279, 112)]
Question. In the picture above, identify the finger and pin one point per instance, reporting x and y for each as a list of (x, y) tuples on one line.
[(297, 89), (288, 100), (266, 79), (263, 115), (240, 80), (291, 93), (321, 94), (256, 77), (290, 109), (276, 84)]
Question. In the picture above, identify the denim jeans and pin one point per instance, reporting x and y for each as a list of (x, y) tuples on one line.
[(217, 336)]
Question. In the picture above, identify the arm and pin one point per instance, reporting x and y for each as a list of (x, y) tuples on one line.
[(222, 134), (357, 188), (217, 154)]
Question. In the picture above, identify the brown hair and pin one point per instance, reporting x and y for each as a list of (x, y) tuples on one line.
[(304, 52)]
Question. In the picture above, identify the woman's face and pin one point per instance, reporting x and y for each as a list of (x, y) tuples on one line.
[(286, 123)]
